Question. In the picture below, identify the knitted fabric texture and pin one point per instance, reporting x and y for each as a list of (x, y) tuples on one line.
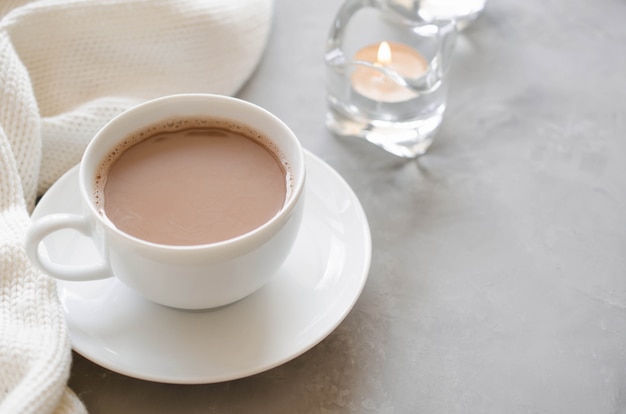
[(66, 68)]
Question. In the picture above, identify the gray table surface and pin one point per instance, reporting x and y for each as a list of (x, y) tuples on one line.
[(498, 275)]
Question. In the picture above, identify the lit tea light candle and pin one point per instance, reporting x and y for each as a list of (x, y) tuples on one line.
[(375, 85)]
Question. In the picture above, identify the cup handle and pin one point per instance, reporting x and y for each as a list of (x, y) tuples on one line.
[(47, 225)]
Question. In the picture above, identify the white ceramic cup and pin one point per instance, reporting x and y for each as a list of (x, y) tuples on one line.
[(188, 277)]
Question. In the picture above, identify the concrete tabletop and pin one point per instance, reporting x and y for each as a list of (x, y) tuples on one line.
[(498, 274)]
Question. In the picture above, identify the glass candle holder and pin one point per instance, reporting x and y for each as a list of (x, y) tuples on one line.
[(386, 75)]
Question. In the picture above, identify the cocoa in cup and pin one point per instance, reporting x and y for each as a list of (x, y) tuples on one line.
[(192, 181)]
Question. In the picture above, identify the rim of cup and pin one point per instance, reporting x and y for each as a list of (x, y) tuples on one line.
[(247, 240)]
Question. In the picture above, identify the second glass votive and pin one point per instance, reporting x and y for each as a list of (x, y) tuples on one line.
[(463, 12), (386, 76)]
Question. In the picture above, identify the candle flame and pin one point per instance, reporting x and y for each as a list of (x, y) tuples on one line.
[(384, 54)]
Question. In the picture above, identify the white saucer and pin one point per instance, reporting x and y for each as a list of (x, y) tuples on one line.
[(312, 293)]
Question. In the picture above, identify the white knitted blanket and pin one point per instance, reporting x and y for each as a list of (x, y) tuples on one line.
[(66, 68)]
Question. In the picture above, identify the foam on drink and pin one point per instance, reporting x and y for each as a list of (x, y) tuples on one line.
[(192, 181)]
